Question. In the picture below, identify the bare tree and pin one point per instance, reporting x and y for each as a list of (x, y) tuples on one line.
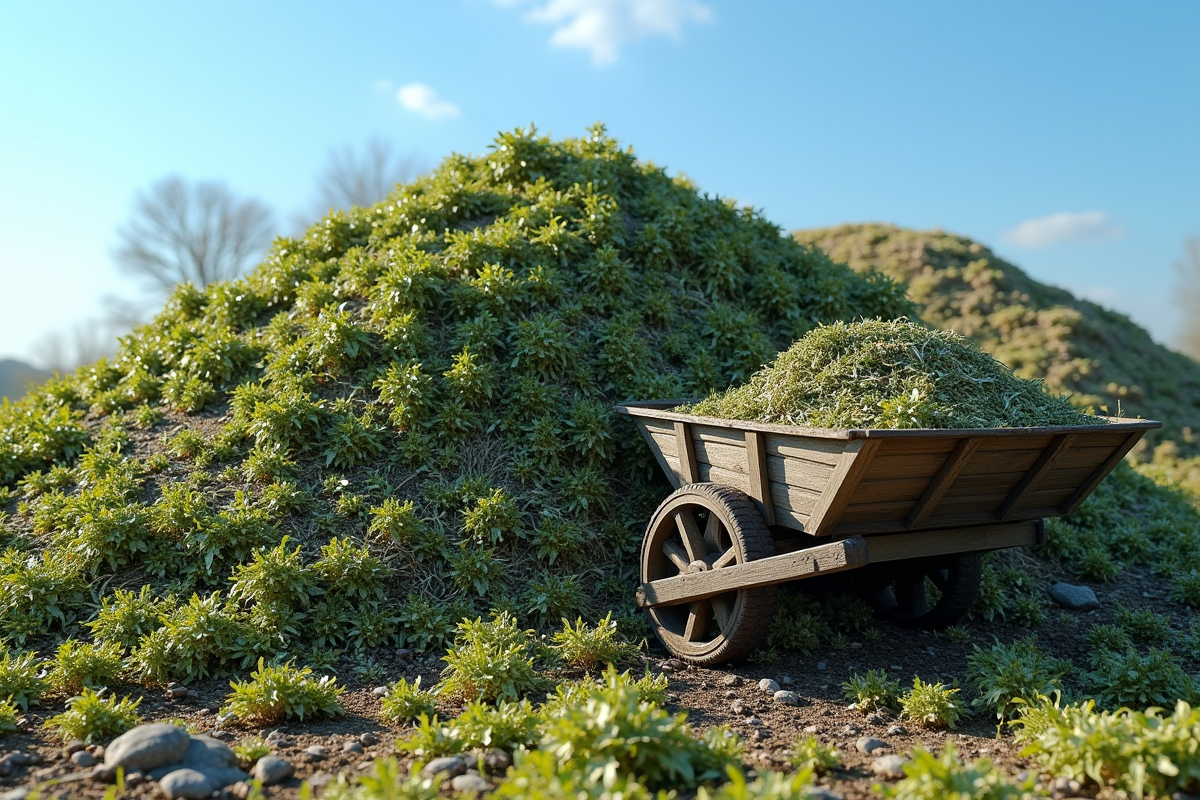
[(362, 178), (64, 350), (1187, 296), (200, 233)]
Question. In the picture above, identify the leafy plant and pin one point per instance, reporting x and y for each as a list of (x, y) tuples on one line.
[(405, 702), (873, 691), (77, 664), (586, 647), (490, 661), (1143, 625), (931, 705), (386, 780), (766, 785), (249, 751), (9, 716), (92, 718), (809, 753), (1003, 673), (275, 693), (930, 777), (20, 679), (124, 617), (1131, 679)]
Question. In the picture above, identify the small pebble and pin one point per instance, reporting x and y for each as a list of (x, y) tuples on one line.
[(368, 739), (851, 730), (856, 645), (676, 665), (363, 766), (705, 685), (73, 747), (754, 721), (82, 758), (733, 680), (380, 691), (760, 734), (405, 654), (452, 766), (316, 752), (497, 761), (1065, 786), (888, 766), (811, 729), (472, 784), (177, 693), (876, 719), (769, 686), (897, 730), (134, 778), (272, 769), (6, 768), (822, 666), (787, 698), (20, 758), (740, 707), (730, 694), (869, 744), (239, 790), (896, 668), (785, 680), (279, 739), (352, 746), (104, 774)]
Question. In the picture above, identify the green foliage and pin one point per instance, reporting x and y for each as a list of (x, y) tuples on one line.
[(249, 751), (405, 702), (20, 679), (490, 661), (92, 718), (397, 521), (931, 705), (809, 753), (586, 647), (506, 725), (124, 617), (1129, 678), (386, 780), (203, 637), (930, 777), (1143, 625), (766, 785), (275, 577), (1149, 752), (276, 693), (1003, 673), (77, 664), (493, 518), (38, 594), (9, 716), (537, 775), (917, 378), (352, 569), (873, 691)]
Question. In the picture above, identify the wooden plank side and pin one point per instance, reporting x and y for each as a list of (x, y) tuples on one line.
[(842, 484), (803, 474), (666, 460), (710, 433), (760, 481), (922, 544), (737, 480), (891, 489), (721, 454), (1077, 497), (941, 482), (687, 454), (820, 451), (1029, 484), (988, 462), (795, 499)]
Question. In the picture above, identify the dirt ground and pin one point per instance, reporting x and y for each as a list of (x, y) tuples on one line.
[(769, 728)]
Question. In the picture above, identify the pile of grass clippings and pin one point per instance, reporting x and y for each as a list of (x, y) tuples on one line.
[(878, 374)]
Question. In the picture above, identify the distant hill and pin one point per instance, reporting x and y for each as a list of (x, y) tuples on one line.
[(1099, 356), (15, 376)]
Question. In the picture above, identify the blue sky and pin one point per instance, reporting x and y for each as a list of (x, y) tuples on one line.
[(1066, 135)]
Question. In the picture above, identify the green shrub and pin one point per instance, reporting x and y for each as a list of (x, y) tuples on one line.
[(198, 639), (275, 577), (586, 647), (92, 718), (507, 725), (1138, 681), (1103, 638), (38, 594), (490, 661), (1149, 752), (1003, 673), (1185, 588), (77, 664), (249, 751), (809, 753), (20, 679), (553, 597), (930, 777), (873, 691), (931, 705), (9, 716), (124, 617), (396, 521), (405, 701), (352, 569), (493, 518), (276, 693), (537, 775), (766, 785), (386, 780), (1143, 625)]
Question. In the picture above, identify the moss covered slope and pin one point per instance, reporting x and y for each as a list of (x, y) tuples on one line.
[(400, 419), (1075, 346)]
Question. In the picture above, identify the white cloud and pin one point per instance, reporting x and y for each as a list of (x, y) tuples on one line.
[(602, 26), (423, 100), (1067, 227)]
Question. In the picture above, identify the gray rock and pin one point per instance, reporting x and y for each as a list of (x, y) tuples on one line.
[(278, 739), (368, 739), (20, 758), (851, 730), (380, 691), (176, 693), (204, 754), (888, 767), (497, 761), (189, 784), (102, 773), (316, 752), (897, 730), (733, 680), (470, 783), (869, 744), (147, 746), (351, 746), (1075, 598), (82, 758), (754, 721), (823, 794), (73, 747), (769, 686), (239, 791), (1063, 786), (452, 766), (787, 698), (273, 769), (740, 707), (811, 729), (6, 768), (675, 665)]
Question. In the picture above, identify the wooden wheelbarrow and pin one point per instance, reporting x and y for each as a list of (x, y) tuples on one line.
[(758, 505)]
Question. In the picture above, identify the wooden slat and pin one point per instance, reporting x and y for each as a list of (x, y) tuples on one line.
[(1029, 483), (669, 465), (987, 462), (687, 454), (1100, 474), (709, 473), (941, 483), (820, 451), (820, 560), (725, 456), (760, 482), (962, 540), (795, 472), (798, 500), (846, 475)]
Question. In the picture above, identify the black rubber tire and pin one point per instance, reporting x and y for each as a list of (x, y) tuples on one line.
[(898, 591), (741, 617)]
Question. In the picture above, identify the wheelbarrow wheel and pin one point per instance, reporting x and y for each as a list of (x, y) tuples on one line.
[(705, 526), (929, 593)]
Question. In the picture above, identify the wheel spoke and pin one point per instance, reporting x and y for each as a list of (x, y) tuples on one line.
[(723, 609), (685, 520), (676, 554), (712, 533), (726, 558), (697, 621)]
